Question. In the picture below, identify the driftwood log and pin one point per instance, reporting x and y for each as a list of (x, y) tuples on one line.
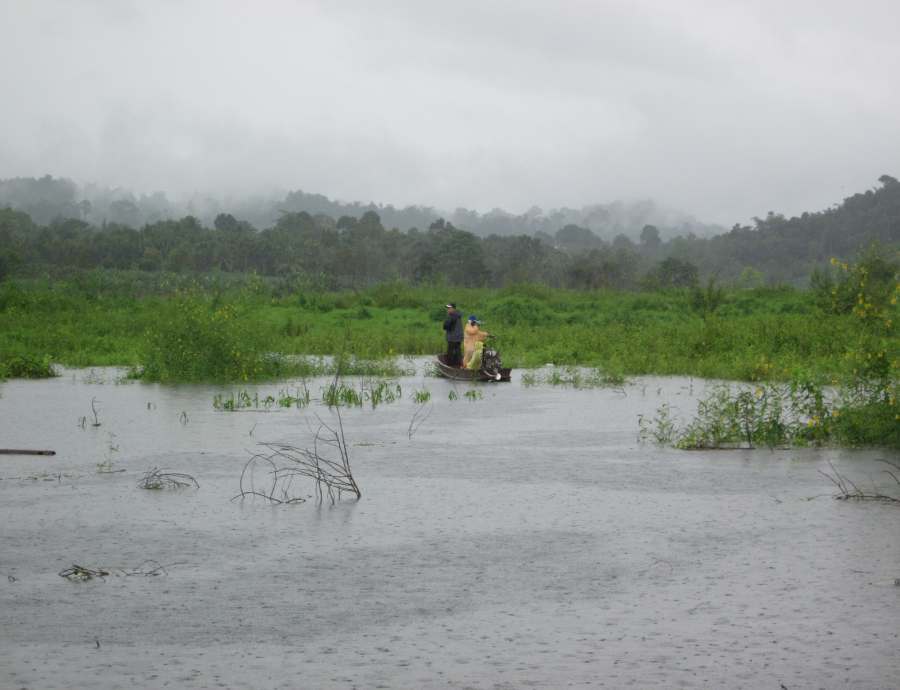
[(14, 451)]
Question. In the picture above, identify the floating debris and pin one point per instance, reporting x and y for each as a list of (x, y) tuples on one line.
[(79, 573)]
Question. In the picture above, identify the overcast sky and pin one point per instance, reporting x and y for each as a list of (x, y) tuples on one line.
[(723, 109)]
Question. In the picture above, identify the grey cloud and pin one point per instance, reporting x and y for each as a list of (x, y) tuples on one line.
[(725, 109)]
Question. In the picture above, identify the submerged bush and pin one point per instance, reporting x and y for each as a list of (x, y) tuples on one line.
[(794, 414), (194, 339), (800, 413)]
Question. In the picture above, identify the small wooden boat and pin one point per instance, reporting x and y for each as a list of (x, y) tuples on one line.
[(449, 371)]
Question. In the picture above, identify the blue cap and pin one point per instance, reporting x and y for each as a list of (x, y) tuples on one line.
[(474, 318)]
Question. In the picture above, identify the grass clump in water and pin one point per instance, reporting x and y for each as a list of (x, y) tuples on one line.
[(242, 400), (340, 394)]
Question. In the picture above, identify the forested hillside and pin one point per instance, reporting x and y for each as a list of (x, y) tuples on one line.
[(331, 251)]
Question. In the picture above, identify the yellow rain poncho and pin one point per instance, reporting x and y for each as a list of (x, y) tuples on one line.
[(474, 363)]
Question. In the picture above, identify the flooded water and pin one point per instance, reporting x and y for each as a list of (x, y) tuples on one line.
[(525, 539)]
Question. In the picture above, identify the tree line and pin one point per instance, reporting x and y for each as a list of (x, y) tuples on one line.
[(354, 252)]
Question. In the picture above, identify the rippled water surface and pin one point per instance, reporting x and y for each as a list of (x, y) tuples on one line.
[(525, 539)]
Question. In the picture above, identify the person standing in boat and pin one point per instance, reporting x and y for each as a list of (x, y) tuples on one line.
[(473, 336), (454, 330)]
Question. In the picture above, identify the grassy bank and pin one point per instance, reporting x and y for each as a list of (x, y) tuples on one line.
[(109, 318)]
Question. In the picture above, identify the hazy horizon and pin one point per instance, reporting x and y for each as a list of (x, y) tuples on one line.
[(722, 111)]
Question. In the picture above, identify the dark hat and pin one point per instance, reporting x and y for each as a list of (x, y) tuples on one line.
[(450, 305)]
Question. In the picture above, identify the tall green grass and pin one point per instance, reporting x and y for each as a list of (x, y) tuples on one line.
[(248, 329)]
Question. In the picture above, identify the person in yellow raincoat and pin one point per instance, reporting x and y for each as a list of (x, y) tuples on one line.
[(472, 335)]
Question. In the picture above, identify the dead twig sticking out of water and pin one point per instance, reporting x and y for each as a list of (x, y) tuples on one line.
[(422, 413), (156, 479), (148, 568), (848, 490), (283, 465), (78, 573), (94, 410)]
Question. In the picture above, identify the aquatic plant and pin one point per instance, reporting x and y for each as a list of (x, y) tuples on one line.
[(240, 400), (336, 394), (383, 392), (473, 394), (662, 428), (375, 393), (299, 398), (421, 396)]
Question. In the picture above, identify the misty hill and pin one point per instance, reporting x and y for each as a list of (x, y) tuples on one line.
[(47, 199)]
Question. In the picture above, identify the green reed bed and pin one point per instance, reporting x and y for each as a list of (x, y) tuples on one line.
[(234, 330)]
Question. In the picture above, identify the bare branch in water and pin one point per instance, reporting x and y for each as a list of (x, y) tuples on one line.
[(156, 479), (326, 464), (848, 490), (422, 413)]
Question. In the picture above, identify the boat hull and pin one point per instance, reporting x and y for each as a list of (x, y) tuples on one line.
[(449, 371)]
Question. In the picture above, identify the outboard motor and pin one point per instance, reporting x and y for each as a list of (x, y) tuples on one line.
[(491, 364)]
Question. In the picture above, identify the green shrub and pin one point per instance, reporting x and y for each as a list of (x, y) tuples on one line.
[(24, 366), (195, 340)]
